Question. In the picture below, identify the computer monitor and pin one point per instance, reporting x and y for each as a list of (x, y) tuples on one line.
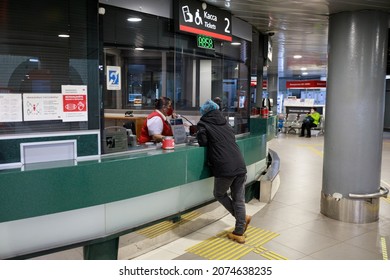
[(176, 121)]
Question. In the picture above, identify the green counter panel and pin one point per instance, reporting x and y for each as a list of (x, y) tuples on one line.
[(25, 194), (39, 192), (259, 125), (199, 170), (87, 145), (254, 149)]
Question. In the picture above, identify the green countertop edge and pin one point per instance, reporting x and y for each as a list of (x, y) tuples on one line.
[(26, 194)]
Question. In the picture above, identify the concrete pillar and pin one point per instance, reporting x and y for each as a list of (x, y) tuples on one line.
[(354, 116)]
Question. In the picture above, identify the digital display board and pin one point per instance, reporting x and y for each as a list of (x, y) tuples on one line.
[(205, 42), (200, 18)]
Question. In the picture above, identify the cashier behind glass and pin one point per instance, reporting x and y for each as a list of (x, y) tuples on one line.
[(156, 125)]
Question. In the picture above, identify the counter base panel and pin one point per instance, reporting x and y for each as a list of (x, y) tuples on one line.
[(86, 224)]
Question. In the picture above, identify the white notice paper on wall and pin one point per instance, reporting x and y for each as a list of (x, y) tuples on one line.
[(11, 107), (75, 103), (42, 106)]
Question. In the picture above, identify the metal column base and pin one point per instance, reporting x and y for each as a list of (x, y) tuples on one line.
[(359, 211)]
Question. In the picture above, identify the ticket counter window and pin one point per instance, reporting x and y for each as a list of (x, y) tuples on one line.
[(171, 64), (36, 62)]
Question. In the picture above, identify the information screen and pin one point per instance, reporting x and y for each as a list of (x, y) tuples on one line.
[(205, 42)]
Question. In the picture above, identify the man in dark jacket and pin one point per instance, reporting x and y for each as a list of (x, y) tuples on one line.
[(227, 164)]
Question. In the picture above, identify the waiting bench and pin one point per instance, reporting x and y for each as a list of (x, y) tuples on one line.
[(320, 127)]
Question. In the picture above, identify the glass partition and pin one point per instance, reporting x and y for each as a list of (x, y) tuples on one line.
[(164, 63), (44, 46)]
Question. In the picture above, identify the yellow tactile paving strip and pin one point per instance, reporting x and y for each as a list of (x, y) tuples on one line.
[(268, 254), (384, 248), (219, 247), (166, 226)]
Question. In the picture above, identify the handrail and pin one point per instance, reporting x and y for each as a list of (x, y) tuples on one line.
[(383, 191)]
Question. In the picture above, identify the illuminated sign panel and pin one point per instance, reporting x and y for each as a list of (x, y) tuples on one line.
[(200, 18), (306, 84), (205, 42)]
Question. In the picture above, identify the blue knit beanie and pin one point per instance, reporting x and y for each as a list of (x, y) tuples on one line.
[(208, 106)]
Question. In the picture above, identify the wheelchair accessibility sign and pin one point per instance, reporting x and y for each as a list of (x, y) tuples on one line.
[(113, 78), (202, 19)]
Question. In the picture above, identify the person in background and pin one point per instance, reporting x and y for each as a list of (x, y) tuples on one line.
[(312, 120), (156, 125), (227, 165)]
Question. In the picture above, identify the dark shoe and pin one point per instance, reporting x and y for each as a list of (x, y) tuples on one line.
[(301, 135), (308, 136), (238, 238), (247, 221)]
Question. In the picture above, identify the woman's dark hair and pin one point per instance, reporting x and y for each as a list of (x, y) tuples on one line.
[(161, 102)]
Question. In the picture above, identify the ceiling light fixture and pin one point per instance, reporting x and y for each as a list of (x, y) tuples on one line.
[(304, 73), (235, 43), (297, 56), (303, 69), (134, 19), (63, 35), (139, 49)]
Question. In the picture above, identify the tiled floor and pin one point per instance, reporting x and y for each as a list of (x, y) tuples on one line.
[(294, 213), (293, 217)]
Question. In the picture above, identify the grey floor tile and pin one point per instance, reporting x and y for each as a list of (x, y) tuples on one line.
[(304, 241), (370, 241), (283, 250), (272, 206), (384, 208), (189, 256), (253, 256), (294, 197), (384, 229), (311, 205), (294, 215), (270, 223), (335, 229), (71, 254), (345, 251)]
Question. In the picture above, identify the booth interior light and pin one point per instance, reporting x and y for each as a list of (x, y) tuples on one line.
[(134, 19)]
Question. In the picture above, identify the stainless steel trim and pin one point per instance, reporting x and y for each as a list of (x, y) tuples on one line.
[(383, 191), (350, 210)]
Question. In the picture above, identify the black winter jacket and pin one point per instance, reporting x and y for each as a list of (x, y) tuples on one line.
[(224, 155)]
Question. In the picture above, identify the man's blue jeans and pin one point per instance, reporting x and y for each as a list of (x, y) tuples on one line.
[(236, 203)]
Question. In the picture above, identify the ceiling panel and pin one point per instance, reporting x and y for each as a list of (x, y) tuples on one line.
[(299, 27)]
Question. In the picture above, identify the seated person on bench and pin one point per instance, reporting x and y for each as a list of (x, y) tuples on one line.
[(312, 120)]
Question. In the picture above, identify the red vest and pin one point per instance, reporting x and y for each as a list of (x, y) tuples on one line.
[(144, 136)]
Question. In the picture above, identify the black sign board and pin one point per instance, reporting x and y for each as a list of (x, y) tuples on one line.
[(200, 18)]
